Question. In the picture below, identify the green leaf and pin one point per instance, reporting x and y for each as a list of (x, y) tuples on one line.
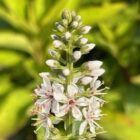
[(98, 14), (9, 58), (15, 41), (16, 7), (106, 31), (13, 113)]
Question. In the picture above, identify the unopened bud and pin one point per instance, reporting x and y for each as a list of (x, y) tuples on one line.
[(94, 64), (54, 37), (53, 53), (52, 63), (77, 55), (83, 41), (59, 27), (97, 72), (74, 24), (66, 15), (85, 29), (87, 48), (57, 43), (67, 35), (66, 72)]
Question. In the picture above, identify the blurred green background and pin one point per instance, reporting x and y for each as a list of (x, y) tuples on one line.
[(25, 28)]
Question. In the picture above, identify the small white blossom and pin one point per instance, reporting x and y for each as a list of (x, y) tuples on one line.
[(77, 55), (69, 102), (46, 101), (95, 84), (85, 29), (66, 72), (43, 121), (52, 63), (67, 35), (90, 119), (57, 43)]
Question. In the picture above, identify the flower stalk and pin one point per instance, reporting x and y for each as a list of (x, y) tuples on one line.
[(70, 94)]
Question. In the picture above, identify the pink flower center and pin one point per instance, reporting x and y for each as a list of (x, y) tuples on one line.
[(71, 102)]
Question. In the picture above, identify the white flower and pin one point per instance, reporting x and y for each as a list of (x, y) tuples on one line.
[(57, 43), (52, 63), (86, 80), (83, 41), (85, 29), (95, 84), (69, 102), (67, 35), (66, 72), (43, 121), (46, 101), (77, 55), (90, 117)]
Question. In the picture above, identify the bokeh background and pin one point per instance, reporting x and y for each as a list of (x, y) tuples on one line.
[(25, 28)]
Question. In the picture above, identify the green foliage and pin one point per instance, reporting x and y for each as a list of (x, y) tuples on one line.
[(25, 28)]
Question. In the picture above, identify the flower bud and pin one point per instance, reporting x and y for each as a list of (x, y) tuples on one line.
[(52, 63), (67, 35), (66, 15), (77, 55), (87, 48), (83, 41), (85, 29), (59, 27), (53, 53), (66, 72), (86, 80), (97, 72), (54, 37), (94, 64), (57, 43), (65, 22), (74, 24), (78, 18)]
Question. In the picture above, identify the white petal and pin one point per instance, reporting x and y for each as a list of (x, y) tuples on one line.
[(76, 113), (58, 88), (47, 133), (49, 122), (86, 80), (97, 72), (77, 55), (60, 97), (82, 127), (62, 111), (72, 90), (55, 106), (82, 101), (84, 112), (97, 84), (92, 127)]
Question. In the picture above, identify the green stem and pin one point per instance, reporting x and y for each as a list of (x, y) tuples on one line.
[(69, 80)]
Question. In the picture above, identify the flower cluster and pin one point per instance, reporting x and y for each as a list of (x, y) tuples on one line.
[(70, 93)]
